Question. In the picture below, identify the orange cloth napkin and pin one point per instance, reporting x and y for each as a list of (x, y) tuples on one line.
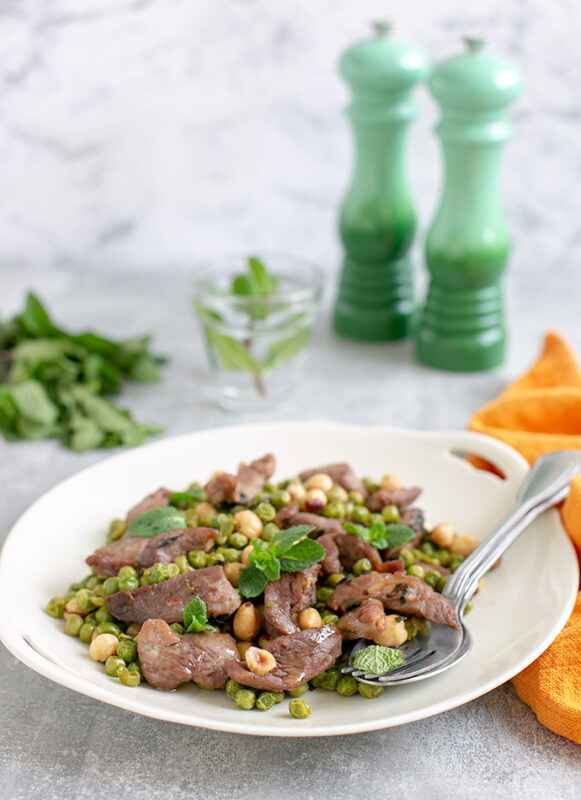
[(538, 413)]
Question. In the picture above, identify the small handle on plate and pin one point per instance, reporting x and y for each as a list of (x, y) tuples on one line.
[(508, 460)]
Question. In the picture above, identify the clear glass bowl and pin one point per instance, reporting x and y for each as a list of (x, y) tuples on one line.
[(256, 343)]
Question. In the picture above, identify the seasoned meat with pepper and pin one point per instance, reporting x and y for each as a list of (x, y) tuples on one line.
[(392, 497), (331, 563), (365, 622), (285, 513), (244, 486), (124, 552), (352, 548), (341, 474), (157, 499), (167, 600), (299, 657), (321, 524), (168, 660), (398, 592), (166, 546), (286, 598)]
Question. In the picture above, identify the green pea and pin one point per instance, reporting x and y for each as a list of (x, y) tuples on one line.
[(369, 691), (370, 485), (441, 583), (270, 531), (215, 558), (356, 497), (227, 527), (91, 618), (443, 557), (92, 582), (375, 519), (324, 593), (128, 584), (232, 688), (455, 562), (360, 515), (111, 586), (70, 595), (172, 569), (432, 578), (421, 556), (221, 538), (177, 628), (74, 588), (127, 649), (280, 498), (73, 624), (102, 615), (328, 618), (390, 514), (198, 559), (182, 563), (469, 606), (278, 697), (108, 627), (269, 487), (86, 632), (231, 555), (299, 709), (266, 512), (98, 597), (407, 556), (127, 677), (112, 665), (299, 691), (264, 701), (238, 540), (346, 686), (135, 667), (156, 573), (245, 699), (55, 607), (327, 680), (362, 566), (335, 579), (428, 548), (83, 598), (116, 529), (191, 518), (416, 571), (127, 572), (335, 510)]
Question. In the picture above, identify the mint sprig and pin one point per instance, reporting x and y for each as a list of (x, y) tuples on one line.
[(157, 520), (196, 617), (288, 551), (377, 659), (382, 536)]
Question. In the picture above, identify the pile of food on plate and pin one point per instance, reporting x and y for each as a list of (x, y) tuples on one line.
[(260, 587)]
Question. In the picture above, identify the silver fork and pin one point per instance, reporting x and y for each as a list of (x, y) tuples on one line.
[(547, 483)]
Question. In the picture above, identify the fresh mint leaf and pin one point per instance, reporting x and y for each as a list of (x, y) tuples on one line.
[(35, 320), (244, 285), (302, 555), (196, 617), (85, 434), (358, 530), (263, 280), (282, 351), (107, 416), (145, 369), (397, 535), (283, 541), (252, 581), (158, 520), (232, 354), (188, 499), (33, 403), (382, 536), (377, 659), (265, 561)]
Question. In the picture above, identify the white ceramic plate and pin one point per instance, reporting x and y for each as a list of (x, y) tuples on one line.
[(525, 603)]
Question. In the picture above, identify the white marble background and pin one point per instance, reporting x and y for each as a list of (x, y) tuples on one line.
[(146, 134)]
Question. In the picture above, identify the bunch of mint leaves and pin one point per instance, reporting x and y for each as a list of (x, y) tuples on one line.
[(256, 284), (54, 384), (381, 535), (196, 617), (288, 551)]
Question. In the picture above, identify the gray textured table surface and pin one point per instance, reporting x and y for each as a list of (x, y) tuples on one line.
[(58, 744)]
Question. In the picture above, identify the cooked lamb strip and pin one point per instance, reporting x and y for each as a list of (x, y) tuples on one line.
[(167, 600), (365, 622), (285, 513), (157, 499), (321, 524), (398, 592), (167, 660), (124, 552), (299, 657), (392, 497), (342, 474), (413, 518), (331, 563), (244, 486), (286, 598), (166, 546), (393, 565), (352, 548)]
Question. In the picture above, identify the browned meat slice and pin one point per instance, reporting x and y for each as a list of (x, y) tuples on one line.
[(398, 592), (341, 474), (414, 518), (392, 497), (299, 657), (167, 600), (352, 548), (286, 598), (331, 562), (157, 499), (393, 565), (321, 524), (286, 512), (166, 546), (243, 487), (365, 622), (167, 660), (124, 552)]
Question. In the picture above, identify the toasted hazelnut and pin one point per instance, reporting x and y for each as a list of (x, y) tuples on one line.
[(242, 647), (391, 482), (309, 618), (442, 535), (464, 545), (245, 554), (320, 481), (259, 661), (103, 646), (248, 523), (264, 640), (72, 607), (232, 572), (315, 500), (394, 632), (246, 623), (133, 629), (205, 512)]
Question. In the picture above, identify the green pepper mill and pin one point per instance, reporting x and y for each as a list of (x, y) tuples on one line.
[(378, 220), (461, 327)]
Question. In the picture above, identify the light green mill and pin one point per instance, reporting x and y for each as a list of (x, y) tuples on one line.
[(378, 219), (462, 326)]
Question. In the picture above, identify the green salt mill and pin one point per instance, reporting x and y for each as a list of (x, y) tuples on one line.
[(461, 327), (378, 220)]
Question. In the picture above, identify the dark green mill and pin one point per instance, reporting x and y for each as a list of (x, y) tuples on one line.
[(378, 219)]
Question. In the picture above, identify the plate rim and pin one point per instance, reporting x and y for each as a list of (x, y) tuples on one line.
[(28, 655)]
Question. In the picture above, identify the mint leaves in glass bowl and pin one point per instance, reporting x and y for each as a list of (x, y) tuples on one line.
[(257, 315)]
